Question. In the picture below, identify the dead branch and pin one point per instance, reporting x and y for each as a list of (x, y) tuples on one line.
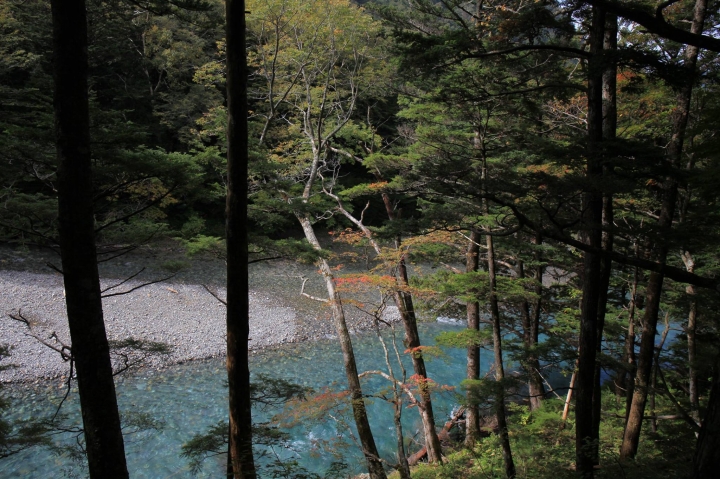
[(303, 293), (123, 281), (139, 286), (214, 295), (64, 350), (402, 385)]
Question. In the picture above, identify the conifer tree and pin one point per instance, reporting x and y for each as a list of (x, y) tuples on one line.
[(90, 350), (238, 306)]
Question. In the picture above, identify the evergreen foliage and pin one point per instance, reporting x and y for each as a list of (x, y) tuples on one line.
[(429, 122)]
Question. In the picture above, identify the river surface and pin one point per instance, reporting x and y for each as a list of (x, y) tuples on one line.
[(189, 398)]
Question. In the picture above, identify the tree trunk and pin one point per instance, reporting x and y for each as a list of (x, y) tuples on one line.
[(592, 268), (641, 385), (609, 127), (90, 350), (571, 386), (403, 466), (472, 411), (691, 342), (535, 322), (238, 306), (375, 467), (412, 340), (625, 382), (499, 368), (531, 327), (531, 364), (707, 452), (404, 302), (631, 439)]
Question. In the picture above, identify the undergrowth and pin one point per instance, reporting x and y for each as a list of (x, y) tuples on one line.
[(544, 448)]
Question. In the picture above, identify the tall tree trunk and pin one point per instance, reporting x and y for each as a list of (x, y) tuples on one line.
[(631, 438), (404, 302), (472, 411), (238, 306), (609, 127), (90, 350), (625, 382), (375, 467), (412, 340), (403, 467), (592, 267), (499, 368), (530, 323), (691, 342)]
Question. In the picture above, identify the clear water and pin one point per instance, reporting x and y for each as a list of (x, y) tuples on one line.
[(190, 397)]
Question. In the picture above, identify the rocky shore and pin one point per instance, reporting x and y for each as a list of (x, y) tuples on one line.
[(180, 312)]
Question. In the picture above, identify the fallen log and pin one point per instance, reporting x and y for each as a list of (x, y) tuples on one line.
[(444, 435)]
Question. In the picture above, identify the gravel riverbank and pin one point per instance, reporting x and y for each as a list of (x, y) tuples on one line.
[(179, 312)]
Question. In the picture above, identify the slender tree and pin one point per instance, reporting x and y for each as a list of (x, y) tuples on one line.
[(238, 306), (609, 126), (375, 467), (472, 413), (90, 351), (404, 302), (531, 330), (653, 292), (592, 273), (500, 410)]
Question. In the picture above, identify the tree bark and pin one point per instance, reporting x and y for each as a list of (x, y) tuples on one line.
[(625, 381), (499, 368), (690, 331), (472, 411), (90, 351), (238, 306), (404, 302), (412, 340), (592, 267), (609, 127), (631, 438), (531, 329), (375, 467)]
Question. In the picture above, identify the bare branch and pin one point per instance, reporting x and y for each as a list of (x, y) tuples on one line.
[(140, 286), (123, 281), (303, 293), (214, 295)]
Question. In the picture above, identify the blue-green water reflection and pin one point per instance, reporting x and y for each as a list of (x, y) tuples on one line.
[(191, 397)]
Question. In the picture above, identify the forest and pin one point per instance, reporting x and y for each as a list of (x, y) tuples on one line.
[(545, 172)]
